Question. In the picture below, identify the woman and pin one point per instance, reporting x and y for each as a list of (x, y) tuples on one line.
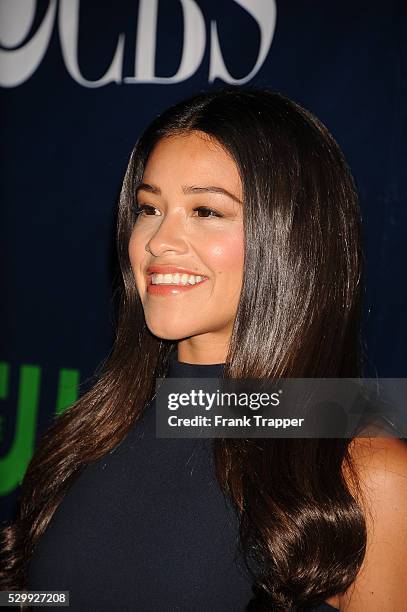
[(246, 198)]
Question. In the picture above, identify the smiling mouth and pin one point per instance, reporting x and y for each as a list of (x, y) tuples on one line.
[(177, 279), (173, 286)]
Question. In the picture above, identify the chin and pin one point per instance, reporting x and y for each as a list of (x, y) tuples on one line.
[(170, 331)]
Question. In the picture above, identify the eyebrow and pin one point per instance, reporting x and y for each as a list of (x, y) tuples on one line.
[(189, 189)]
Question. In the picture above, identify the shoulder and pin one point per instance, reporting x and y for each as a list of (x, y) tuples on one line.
[(381, 464)]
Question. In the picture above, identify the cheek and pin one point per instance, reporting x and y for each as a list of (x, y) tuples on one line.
[(133, 249), (137, 255), (226, 259), (227, 252), (138, 240)]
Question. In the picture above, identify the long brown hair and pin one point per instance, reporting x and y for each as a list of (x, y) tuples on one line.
[(301, 530)]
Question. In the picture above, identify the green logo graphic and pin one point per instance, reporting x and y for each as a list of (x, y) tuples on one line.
[(14, 464)]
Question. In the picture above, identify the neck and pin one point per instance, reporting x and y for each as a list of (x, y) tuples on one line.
[(195, 351)]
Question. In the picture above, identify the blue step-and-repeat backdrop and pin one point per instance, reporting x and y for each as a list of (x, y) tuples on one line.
[(81, 79)]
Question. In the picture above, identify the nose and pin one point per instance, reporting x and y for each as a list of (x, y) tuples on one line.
[(169, 236)]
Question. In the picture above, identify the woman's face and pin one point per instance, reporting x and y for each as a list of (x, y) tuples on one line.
[(191, 219)]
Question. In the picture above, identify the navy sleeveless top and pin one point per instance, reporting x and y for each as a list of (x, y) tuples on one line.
[(147, 528)]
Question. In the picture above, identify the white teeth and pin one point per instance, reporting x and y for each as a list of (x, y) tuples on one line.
[(175, 279)]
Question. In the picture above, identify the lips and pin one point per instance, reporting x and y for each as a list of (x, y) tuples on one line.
[(169, 270), (168, 290)]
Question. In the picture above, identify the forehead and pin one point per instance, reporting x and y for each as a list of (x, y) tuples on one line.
[(193, 157)]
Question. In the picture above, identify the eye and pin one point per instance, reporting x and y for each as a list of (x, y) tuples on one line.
[(143, 210), (208, 210), (147, 210)]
